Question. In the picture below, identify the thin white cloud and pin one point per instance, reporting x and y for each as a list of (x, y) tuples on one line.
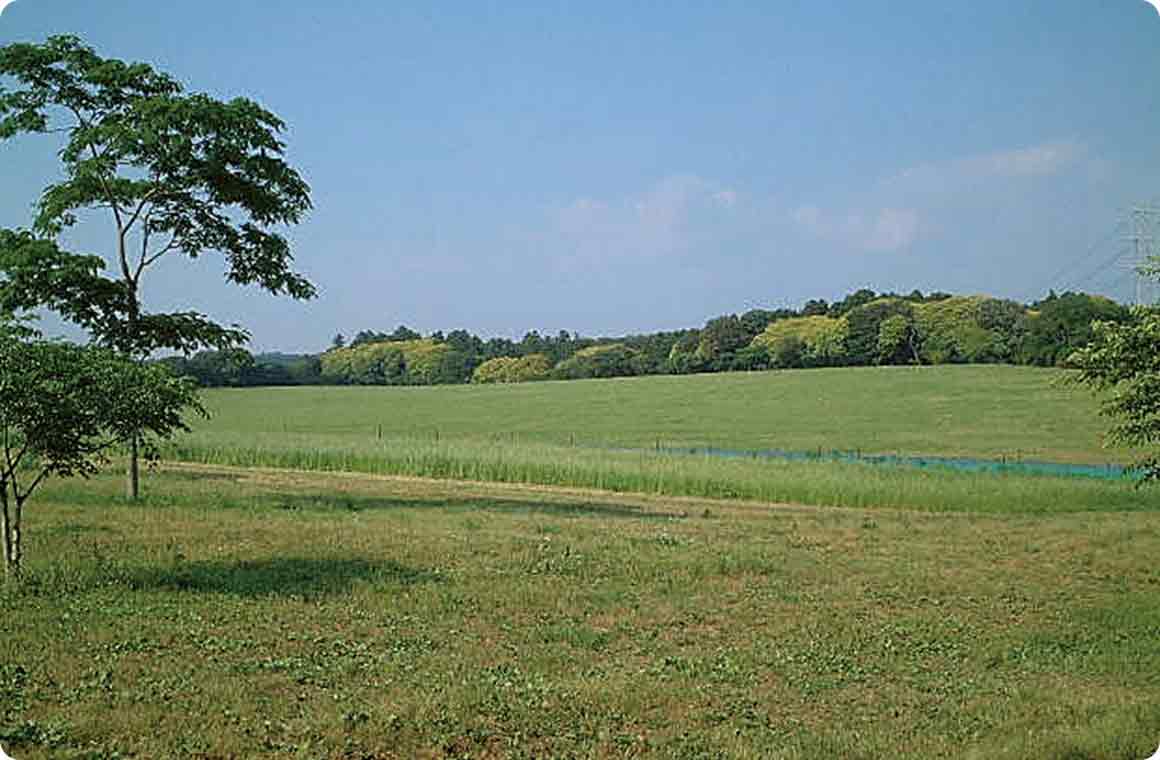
[(686, 213), (885, 229), (1042, 160), (897, 211), (662, 220), (892, 229)]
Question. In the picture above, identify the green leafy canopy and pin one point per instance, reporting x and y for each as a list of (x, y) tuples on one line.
[(176, 172), (62, 406)]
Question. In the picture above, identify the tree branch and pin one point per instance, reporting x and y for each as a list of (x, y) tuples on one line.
[(21, 498), (121, 229), (140, 207), (146, 233), (150, 260)]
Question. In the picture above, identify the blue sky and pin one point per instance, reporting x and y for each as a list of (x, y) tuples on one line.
[(611, 167)]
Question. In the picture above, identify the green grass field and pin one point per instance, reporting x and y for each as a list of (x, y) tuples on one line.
[(567, 434), (814, 483), (982, 411), (269, 614), (290, 591)]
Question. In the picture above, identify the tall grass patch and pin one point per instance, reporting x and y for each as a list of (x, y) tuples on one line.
[(509, 460)]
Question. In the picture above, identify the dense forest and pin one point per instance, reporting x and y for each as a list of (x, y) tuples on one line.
[(864, 328)]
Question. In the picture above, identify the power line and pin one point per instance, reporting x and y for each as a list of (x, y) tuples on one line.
[(1054, 279), (1142, 222), (1142, 249), (1102, 267), (1116, 282)]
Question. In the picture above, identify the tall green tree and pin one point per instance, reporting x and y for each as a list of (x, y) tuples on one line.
[(171, 172), (720, 339), (1064, 324), (864, 323), (897, 340)]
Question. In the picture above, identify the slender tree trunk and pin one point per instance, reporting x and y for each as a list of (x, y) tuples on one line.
[(133, 472), (10, 537), (5, 538), (17, 548)]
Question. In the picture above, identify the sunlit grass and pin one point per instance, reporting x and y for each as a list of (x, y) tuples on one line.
[(244, 613), (506, 460), (980, 411), (527, 589)]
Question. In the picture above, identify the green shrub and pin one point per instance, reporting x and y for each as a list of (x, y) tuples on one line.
[(607, 360)]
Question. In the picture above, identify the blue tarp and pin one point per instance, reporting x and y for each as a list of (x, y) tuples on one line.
[(961, 464)]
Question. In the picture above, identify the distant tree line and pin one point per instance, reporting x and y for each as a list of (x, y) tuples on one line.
[(238, 368), (864, 328)]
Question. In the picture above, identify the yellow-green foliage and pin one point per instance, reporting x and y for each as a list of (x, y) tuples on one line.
[(824, 337), (423, 358), (360, 363), (950, 331), (391, 362), (497, 370), (592, 351), (510, 369)]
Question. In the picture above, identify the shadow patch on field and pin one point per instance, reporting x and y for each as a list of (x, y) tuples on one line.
[(184, 475), (290, 576), (75, 529), (358, 503), (571, 509)]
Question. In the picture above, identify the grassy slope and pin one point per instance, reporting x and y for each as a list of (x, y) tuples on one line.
[(251, 614), (985, 411)]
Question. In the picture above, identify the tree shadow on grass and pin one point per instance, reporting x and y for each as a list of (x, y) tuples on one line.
[(281, 576), (359, 503)]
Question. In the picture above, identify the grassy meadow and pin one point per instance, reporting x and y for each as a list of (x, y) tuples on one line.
[(604, 434), (516, 571), (989, 411), (259, 613)]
